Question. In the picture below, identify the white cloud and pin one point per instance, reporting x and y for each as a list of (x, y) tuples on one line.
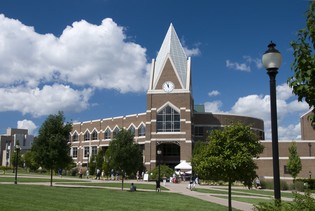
[(258, 106), (27, 124), (244, 66), (213, 107), (192, 51), (47, 100), (84, 54), (237, 66), (214, 93), (84, 57)]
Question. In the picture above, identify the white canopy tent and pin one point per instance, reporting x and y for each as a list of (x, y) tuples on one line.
[(183, 166)]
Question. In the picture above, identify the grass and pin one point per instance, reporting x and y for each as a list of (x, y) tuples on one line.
[(116, 185), (245, 192), (34, 197)]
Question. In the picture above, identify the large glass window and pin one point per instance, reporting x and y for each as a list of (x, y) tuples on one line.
[(86, 151), (86, 136), (75, 137), (94, 150), (199, 131), (141, 130), (115, 132), (132, 129), (74, 152), (168, 120), (94, 135), (107, 133)]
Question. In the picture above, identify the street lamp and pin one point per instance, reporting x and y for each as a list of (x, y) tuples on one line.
[(17, 150), (272, 60), (159, 152)]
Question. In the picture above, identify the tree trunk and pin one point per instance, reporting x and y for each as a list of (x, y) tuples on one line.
[(122, 182), (230, 195), (51, 177)]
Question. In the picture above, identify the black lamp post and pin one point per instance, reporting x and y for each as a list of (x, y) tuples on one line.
[(272, 60), (159, 152), (17, 150)]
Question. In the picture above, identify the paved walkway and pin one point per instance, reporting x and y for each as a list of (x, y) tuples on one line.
[(181, 188)]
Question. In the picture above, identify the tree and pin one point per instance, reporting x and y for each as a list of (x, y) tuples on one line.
[(29, 161), (51, 149), (229, 156), (303, 80), (294, 164), (125, 155)]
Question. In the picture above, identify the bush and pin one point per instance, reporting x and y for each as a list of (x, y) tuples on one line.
[(74, 171), (300, 202), (165, 171), (299, 186), (4, 168), (284, 185)]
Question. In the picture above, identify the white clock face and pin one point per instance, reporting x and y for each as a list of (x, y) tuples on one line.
[(168, 86)]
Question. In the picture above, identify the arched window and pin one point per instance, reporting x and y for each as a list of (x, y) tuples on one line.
[(168, 120), (141, 130), (86, 136), (107, 133), (94, 135), (132, 129), (115, 132), (75, 137)]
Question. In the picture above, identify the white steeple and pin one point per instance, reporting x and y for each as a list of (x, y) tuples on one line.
[(172, 48)]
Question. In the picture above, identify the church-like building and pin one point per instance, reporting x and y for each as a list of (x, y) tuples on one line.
[(171, 123)]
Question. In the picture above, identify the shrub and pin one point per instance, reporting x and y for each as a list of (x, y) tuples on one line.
[(299, 186), (74, 171), (284, 185), (300, 202)]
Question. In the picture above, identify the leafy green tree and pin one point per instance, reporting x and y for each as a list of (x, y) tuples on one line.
[(229, 156), (294, 164), (100, 159), (107, 166), (303, 80), (51, 148), (92, 165), (30, 162), (165, 171), (126, 156)]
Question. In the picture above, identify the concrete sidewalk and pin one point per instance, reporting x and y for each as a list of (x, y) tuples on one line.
[(181, 188)]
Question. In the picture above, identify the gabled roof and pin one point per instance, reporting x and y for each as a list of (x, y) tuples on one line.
[(172, 48)]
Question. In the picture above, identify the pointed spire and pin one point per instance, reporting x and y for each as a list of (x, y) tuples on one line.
[(171, 46)]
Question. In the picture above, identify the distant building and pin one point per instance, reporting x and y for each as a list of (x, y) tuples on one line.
[(8, 142)]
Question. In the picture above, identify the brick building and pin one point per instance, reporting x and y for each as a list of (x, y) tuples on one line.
[(172, 122)]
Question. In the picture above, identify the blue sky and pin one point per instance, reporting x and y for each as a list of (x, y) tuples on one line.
[(90, 58)]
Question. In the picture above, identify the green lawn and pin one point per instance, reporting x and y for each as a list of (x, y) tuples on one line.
[(115, 185), (29, 197)]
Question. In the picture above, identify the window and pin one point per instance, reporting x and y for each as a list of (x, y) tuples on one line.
[(75, 137), (94, 150), (141, 130), (86, 136), (94, 135), (74, 152), (168, 120), (115, 132), (199, 131), (86, 151), (286, 170), (107, 133), (132, 130)]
